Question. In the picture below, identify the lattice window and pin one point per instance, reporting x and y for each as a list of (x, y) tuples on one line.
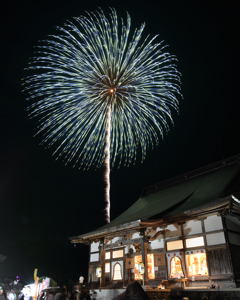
[(176, 267), (107, 267), (117, 272), (150, 266), (174, 245), (195, 242), (197, 264), (117, 253)]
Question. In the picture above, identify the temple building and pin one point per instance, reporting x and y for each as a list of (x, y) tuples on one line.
[(185, 229)]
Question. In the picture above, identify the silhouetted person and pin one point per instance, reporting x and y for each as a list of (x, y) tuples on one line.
[(87, 296), (71, 296), (135, 292), (3, 293), (61, 295)]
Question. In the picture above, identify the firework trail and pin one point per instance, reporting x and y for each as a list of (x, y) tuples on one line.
[(99, 95), (107, 163)]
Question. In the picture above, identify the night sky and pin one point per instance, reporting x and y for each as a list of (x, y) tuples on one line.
[(42, 201)]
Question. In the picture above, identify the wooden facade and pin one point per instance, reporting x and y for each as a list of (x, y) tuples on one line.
[(185, 228)]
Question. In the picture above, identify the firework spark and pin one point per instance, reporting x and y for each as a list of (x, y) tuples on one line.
[(99, 95)]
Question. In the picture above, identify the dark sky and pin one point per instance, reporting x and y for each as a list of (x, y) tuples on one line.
[(42, 201)]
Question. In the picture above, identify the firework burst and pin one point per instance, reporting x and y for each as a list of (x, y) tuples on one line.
[(100, 95)]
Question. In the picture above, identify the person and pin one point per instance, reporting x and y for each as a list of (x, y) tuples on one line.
[(94, 295), (81, 280), (71, 296), (75, 295), (21, 296), (87, 295), (81, 294), (84, 295), (3, 293), (42, 297), (61, 295)]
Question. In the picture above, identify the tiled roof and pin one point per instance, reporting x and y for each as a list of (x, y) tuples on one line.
[(187, 192)]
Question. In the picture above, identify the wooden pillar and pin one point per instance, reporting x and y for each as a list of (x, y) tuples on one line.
[(165, 256), (144, 259), (146, 262), (129, 270), (103, 252), (103, 267)]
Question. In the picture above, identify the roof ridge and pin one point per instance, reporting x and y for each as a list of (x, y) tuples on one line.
[(191, 174)]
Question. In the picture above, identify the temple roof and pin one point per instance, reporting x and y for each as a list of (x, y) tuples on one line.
[(203, 190)]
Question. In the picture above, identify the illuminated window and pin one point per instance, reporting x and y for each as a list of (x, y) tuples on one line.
[(117, 272), (118, 253), (150, 265), (137, 260), (107, 255), (197, 264), (107, 267), (176, 267), (174, 245), (194, 242)]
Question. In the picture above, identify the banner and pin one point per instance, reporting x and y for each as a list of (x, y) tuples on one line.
[(36, 293), (35, 274), (45, 283)]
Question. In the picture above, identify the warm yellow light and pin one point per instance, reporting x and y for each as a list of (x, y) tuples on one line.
[(111, 90), (197, 264), (176, 267), (150, 266)]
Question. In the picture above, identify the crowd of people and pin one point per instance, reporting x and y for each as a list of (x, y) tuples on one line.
[(79, 292), (11, 290)]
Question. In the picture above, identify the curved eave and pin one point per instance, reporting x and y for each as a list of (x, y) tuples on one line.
[(106, 232), (218, 206)]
